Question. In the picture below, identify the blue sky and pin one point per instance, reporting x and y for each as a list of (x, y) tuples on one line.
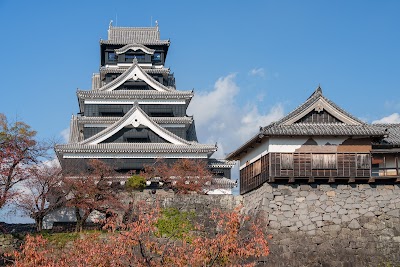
[(250, 62)]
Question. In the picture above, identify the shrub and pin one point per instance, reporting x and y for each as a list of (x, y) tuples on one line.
[(174, 223), (136, 182)]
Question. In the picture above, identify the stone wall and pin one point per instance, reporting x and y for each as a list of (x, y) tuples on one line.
[(329, 225), (201, 205)]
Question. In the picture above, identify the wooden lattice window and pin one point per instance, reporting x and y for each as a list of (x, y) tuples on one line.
[(257, 167), (286, 161), (324, 161), (363, 161)]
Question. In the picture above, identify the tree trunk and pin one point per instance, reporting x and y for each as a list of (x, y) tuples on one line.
[(39, 224), (79, 220)]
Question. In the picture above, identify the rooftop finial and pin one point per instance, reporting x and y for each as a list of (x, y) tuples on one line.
[(110, 25), (156, 23), (319, 89)]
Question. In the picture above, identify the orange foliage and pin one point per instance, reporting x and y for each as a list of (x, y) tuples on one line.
[(184, 175), (137, 245)]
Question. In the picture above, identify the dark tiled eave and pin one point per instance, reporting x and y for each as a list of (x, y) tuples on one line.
[(322, 129), (149, 42), (134, 94), (135, 148)]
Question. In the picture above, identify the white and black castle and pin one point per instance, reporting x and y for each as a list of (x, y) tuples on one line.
[(133, 115)]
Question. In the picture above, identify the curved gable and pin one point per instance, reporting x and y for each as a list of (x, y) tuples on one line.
[(135, 72), (134, 47)]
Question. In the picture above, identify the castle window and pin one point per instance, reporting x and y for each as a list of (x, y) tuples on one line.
[(130, 57), (156, 57), (111, 56), (324, 161)]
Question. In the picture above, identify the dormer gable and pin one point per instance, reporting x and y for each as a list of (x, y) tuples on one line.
[(135, 72), (135, 118), (319, 109), (134, 47)]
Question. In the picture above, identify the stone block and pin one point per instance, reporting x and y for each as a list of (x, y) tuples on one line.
[(279, 198), (318, 218), (331, 194), (369, 214), (354, 225), (272, 217), (326, 217), (288, 214), (286, 208), (300, 199), (303, 193), (305, 187), (396, 238), (342, 211), (312, 196), (274, 224), (394, 213)]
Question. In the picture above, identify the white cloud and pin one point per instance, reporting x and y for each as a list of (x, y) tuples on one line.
[(219, 119), (65, 135), (257, 72), (393, 118)]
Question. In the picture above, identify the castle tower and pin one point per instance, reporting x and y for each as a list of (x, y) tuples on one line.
[(133, 114)]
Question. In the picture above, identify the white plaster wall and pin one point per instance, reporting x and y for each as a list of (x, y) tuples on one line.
[(256, 153), (67, 215), (285, 144)]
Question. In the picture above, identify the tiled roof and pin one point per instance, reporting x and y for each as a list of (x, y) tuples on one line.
[(310, 101), (136, 148), (393, 133), (105, 70), (315, 129), (220, 163), (289, 125), (110, 120), (223, 182), (128, 35), (133, 94)]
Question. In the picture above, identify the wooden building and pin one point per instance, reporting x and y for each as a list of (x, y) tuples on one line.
[(319, 142), (133, 114)]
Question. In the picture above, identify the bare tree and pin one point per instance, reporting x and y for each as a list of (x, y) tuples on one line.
[(43, 193), (18, 152)]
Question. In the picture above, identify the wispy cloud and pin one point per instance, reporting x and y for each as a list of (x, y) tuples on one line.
[(219, 119), (65, 135), (260, 72), (393, 118)]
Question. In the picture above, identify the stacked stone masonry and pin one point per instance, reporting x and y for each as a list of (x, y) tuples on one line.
[(329, 225)]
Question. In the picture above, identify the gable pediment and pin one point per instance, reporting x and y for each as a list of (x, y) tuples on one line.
[(318, 106), (135, 118), (134, 47), (135, 73)]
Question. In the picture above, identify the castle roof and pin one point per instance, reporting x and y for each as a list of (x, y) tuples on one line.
[(135, 117), (139, 35), (340, 123)]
